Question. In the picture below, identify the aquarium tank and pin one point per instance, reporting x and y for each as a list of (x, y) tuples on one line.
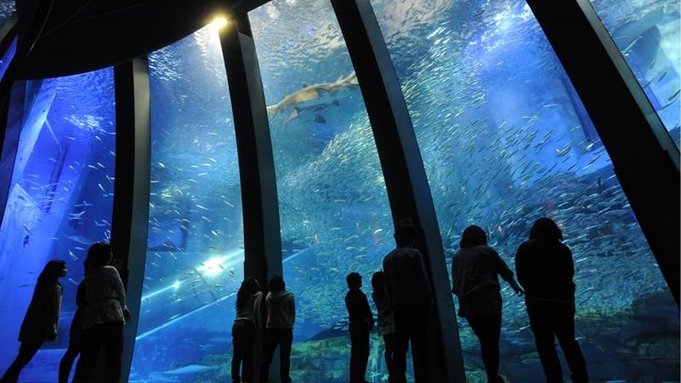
[(504, 140)]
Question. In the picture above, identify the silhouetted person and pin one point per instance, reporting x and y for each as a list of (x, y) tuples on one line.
[(545, 270), (247, 318), (40, 321), (105, 313), (361, 323), (386, 321), (75, 337), (281, 315), (475, 271), (408, 288)]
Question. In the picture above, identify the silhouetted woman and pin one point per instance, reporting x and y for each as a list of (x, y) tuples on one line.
[(248, 300), (386, 320), (545, 270), (475, 270), (40, 321), (281, 314), (103, 318)]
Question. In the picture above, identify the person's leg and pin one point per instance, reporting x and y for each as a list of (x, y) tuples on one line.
[(113, 351), (389, 340), (270, 346), (490, 346), (67, 360), (238, 345), (401, 346), (248, 353), (26, 352), (542, 328), (285, 355), (91, 345), (419, 321), (565, 332), (363, 361), (354, 356)]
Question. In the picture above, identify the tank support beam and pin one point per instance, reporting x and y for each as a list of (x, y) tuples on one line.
[(644, 156), (405, 177)]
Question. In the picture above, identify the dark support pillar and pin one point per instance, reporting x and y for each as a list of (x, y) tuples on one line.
[(405, 177), (646, 160), (130, 219), (12, 116), (262, 239)]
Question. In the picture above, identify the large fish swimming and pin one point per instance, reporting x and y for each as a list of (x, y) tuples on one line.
[(191, 368), (315, 97)]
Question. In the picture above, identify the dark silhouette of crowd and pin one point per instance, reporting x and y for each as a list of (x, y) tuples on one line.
[(402, 296)]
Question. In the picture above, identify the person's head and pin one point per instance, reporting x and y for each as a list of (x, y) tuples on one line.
[(98, 255), (544, 229), (404, 235), (354, 281), (473, 236), (277, 284), (52, 271), (248, 287), (378, 281)]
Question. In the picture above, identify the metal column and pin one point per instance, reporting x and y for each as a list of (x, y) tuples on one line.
[(645, 159), (405, 177), (130, 219)]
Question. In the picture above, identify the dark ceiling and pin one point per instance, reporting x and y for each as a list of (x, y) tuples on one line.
[(77, 36)]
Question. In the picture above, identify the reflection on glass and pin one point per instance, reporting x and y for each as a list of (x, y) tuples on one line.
[(7, 9), (505, 140), (647, 33), (60, 200), (335, 217), (194, 261), (7, 57)]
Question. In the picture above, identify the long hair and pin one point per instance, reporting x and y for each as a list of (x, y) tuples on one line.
[(544, 229), (248, 287), (473, 236), (378, 283), (52, 271)]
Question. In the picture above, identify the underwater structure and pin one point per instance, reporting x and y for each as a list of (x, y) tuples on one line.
[(213, 140)]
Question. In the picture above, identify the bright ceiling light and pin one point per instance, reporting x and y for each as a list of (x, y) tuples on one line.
[(219, 22)]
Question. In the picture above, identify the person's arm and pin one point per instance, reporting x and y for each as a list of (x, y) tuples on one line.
[(368, 314), (425, 280), (293, 308), (119, 290), (507, 275)]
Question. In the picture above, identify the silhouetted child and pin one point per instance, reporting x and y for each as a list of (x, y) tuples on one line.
[(361, 323), (386, 320), (40, 322)]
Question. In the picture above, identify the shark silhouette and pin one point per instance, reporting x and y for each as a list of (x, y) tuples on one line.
[(191, 368), (315, 97)]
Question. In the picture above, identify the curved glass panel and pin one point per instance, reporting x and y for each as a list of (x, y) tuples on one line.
[(335, 217), (194, 261), (60, 200), (648, 33), (505, 140)]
